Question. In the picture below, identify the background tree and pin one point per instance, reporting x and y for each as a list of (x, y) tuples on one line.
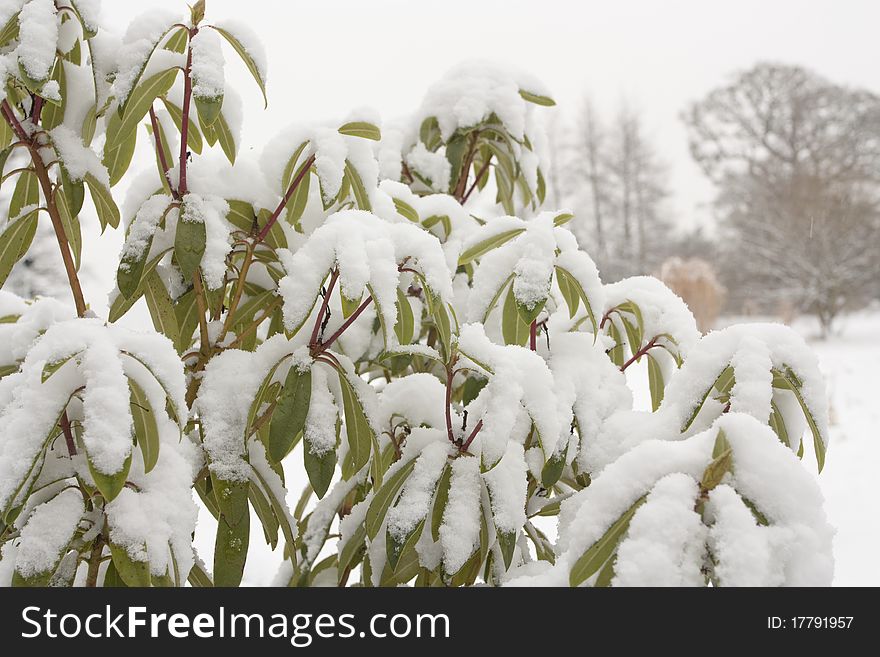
[(617, 186), (797, 162)]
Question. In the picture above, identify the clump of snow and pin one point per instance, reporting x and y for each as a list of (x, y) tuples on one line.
[(507, 486), (460, 530), (432, 166), (211, 211), (415, 498), (48, 532), (140, 40), (320, 427), (144, 226), (250, 41), (367, 252), (37, 38), (207, 65), (78, 159)]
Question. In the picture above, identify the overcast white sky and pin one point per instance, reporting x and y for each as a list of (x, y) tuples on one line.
[(329, 56)]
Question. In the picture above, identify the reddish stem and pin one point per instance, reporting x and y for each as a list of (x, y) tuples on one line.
[(324, 346), (303, 171), (470, 439), (313, 342), (641, 352), (184, 121), (68, 434), (476, 182), (533, 335)]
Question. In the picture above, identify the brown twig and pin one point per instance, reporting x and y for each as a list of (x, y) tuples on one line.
[(303, 171)]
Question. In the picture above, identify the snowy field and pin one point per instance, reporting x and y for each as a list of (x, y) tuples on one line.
[(850, 361)]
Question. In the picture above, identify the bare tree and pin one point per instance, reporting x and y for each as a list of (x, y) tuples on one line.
[(797, 162), (617, 185)]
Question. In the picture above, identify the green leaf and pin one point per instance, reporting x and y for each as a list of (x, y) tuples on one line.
[(552, 470), (602, 550), (507, 543), (71, 226), (132, 573), (189, 243), (777, 423), (160, 305), (279, 505), (146, 430), (112, 578), (233, 531), (89, 125), (110, 485), (14, 242), (353, 549), (265, 514), (291, 410), (9, 31), (193, 136), (177, 41), (440, 500), (357, 428), (26, 193), (138, 104), (789, 381), (537, 99), (105, 206), (481, 248), (198, 577), (74, 192), (406, 210), (319, 467), (361, 129), (361, 197), (225, 137), (246, 58), (132, 266), (208, 109), (53, 112), (513, 329), (723, 384), (396, 551), (722, 463), (117, 160), (384, 497), (575, 285), (606, 575), (405, 326), (299, 199), (562, 218), (655, 381)]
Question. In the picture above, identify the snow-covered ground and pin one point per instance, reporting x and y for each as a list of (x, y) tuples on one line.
[(851, 361)]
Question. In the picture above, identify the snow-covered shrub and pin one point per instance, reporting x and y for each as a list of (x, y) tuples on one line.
[(389, 314)]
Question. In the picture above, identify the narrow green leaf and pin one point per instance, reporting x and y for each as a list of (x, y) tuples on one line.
[(14, 242), (357, 428), (160, 306), (361, 129), (513, 329), (384, 497), (105, 206), (537, 99), (189, 243), (440, 500), (110, 485), (291, 410), (233, 531), (481, 248), (146, 430), (598, 554), (132, 573), (655, 382), (138, 104), (246, 58)]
